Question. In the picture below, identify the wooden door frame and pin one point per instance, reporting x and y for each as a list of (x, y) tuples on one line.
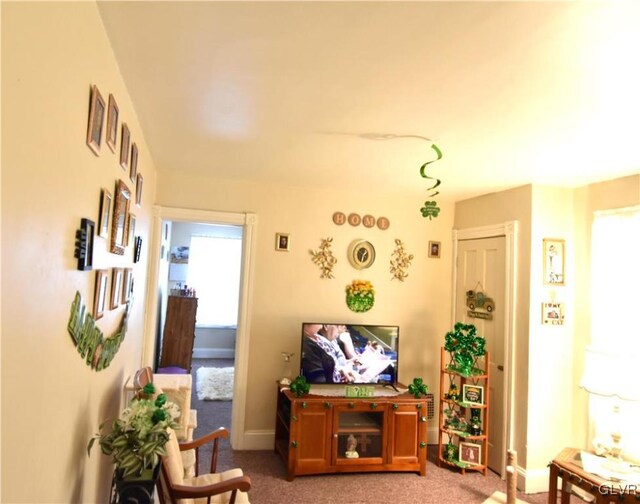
[(510, 232), (249, 222)]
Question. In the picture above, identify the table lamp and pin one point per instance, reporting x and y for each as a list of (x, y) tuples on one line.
[(612, 373)]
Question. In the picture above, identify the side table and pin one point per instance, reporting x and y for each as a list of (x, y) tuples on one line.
[(568, 466)]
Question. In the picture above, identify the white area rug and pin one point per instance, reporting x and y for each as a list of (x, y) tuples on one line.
[(214, 384)]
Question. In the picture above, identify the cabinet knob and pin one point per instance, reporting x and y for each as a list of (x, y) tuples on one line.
[(335, 436), (327, 405), (374, 405)]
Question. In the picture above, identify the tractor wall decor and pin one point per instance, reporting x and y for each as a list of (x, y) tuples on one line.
[(478, 300)]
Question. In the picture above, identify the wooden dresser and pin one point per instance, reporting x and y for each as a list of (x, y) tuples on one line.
[(179, 332)]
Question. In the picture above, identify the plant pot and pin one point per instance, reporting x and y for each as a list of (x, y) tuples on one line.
[(134, 489)]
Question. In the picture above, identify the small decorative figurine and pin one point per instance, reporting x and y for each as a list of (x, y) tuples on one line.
[(351, 447), (474, 426), (453, 393)]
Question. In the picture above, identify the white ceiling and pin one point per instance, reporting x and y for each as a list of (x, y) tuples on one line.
[(300, 93)]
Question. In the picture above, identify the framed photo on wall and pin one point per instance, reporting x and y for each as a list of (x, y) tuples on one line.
[(105, 212), (282, 242), (100, 295), (434, 249), (553, 257), (124, 147), (126, 284), (116, 288), (139, 181), (470, 453), (134, 162), (112, 123), (96, 120)]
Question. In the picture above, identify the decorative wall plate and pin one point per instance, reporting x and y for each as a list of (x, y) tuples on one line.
[(361, 254)]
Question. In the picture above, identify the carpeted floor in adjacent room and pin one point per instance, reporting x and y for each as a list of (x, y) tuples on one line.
[(268, 473)]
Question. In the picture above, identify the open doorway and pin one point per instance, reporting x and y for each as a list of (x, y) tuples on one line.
[(197, 329), (222, 344)]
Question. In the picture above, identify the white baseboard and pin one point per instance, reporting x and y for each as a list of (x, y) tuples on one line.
[(533, 480), (213, 353), (258, 439)]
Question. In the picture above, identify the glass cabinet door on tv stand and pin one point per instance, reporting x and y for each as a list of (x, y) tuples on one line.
[(358, 435)]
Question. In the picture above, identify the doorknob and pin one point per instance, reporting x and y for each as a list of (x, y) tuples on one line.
[(500, 367)]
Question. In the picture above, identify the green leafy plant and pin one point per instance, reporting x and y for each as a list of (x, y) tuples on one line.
[(418, 388), (137, 439), (299, 386)]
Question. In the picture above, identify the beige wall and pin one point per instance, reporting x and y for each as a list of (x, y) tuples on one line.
[(495, 208), (288, 290), (550, 411), (52, 401)]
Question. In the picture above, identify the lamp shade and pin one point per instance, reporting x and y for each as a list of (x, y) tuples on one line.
[(611, 373)]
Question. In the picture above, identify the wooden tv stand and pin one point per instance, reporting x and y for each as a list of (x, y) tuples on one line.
[(313, 433)]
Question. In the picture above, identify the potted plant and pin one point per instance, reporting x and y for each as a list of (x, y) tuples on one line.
[(137, 440)]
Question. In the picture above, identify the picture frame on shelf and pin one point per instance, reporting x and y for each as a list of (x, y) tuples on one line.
[(434, 249), (133, 170), (106, 200), (116, 287), (96, 120), (124, 147), (282, 242), (473, 394), (554, 261), (100, 295), (139, 181), (121, 203), (112, 122), (470, 453)]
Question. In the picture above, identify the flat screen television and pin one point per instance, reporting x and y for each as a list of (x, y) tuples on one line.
[(349, 353)]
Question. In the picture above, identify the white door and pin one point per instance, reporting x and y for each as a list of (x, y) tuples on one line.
[(481, 267)]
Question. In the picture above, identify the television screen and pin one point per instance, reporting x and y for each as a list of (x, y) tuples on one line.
[(349, 353)]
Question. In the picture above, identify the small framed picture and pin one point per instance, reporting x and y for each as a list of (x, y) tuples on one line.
[(553, 313), (282, 242), (127, 284), (139, 181), (473, 394), (105, 213), (96, 120), (112, 123), (553, 257), (434, 249), (116, 288), (470, 453), (124, 147), (131, 229), (100, 295), (133, 171)]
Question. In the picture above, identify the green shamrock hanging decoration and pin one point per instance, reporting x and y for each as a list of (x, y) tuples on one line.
[(417, 388), (430, 209), (465, 347)]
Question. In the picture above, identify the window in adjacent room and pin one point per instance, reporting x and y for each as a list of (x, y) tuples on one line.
[(615, 282), (214, 272)]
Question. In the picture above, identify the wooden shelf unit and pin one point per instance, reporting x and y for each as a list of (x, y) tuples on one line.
[(312, 432), (179, 332), (455, 436)]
